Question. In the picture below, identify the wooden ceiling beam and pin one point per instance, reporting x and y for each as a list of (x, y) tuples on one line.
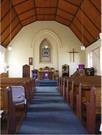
[(9, 10), (45, 7), (27, 18), (11, 32), (84, 37), (56, 8), (5, 14), (85, 28), (35, 9), (72, 3), (77, 35), (92, 42), (16, 13), (66, 11), (29, 22), (62, 23), (7, 26), (90, 20), (14, 35), (63, 18), (95, 6), (25, 11), (77, 11), (15, 5)]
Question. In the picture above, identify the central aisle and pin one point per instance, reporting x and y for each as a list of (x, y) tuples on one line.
[(49, 114)]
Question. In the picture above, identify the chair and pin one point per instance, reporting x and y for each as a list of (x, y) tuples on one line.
[(18, 96), (65, 70), (26, 71)]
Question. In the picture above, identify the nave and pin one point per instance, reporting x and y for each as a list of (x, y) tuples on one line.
[(49, 114)]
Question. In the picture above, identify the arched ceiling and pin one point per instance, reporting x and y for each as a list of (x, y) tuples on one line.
[(83, 17)]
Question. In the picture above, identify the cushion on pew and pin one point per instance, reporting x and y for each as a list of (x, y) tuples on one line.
[(18, 94)]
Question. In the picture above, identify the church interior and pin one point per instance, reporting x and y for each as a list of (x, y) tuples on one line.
[(50, 67)]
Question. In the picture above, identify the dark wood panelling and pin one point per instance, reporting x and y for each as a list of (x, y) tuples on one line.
[(7, 19), (5, 5), (26, 6), (26, 15), (97, 4), (76, 11), (61, 20), (83, 18), (79, 34), (29, 20), (13, 34), (64, 14), (2, 31), (9, 29), (46, 3), (74, 2), (45, 10), (67, 6), (92, 14), (62, 23), (45, 17), (83, 25), (85, 34), (15, 2), (76, 32), (66, 11)]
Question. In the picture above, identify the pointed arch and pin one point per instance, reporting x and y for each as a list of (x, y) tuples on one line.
[(45, 51)]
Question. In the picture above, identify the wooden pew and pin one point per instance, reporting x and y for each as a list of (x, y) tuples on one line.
[(83, 98), (75, 86), (68, 90), (26, 82), (60, 85), (93, 111), (3, 75), (29, 91), (64, 87), (8, 117), (77, 93)]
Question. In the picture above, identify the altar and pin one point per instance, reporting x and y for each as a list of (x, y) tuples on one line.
[(46, 73)]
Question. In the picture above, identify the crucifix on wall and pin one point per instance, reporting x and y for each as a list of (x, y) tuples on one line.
[(73, 53)]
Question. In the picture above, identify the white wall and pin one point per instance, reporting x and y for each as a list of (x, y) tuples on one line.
[(27, 41), (95, 48), (2, 59)]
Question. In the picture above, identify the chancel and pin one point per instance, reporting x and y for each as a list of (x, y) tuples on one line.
[(50, 67)]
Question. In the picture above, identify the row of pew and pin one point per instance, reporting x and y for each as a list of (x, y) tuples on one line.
[(6, 100), (83, 94)]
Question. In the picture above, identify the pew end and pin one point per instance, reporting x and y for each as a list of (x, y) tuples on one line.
[(8, 122), (93, 109)]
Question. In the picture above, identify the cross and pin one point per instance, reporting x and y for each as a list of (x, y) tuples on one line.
[(73, 52)]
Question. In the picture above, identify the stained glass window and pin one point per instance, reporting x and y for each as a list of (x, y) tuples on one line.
[(45, 51)]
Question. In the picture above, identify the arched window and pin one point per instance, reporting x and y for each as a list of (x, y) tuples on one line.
[(45, 51)]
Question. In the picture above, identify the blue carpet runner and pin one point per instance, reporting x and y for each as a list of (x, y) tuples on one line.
[(50, 83), (49, 114)]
